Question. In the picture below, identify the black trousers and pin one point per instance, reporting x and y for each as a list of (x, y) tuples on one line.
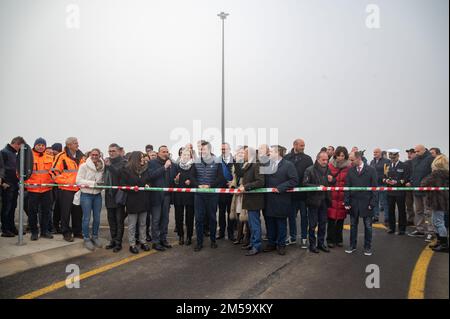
[(116, 219), (334, 231), (180, 212), (69, 211), (224, 216), (39, 203), (56, 211), (400, 202), (9, 202), (317, 217)]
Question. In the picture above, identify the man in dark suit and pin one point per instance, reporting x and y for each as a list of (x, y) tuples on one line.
[(360, 203), (397, 175), (161, 173), (281, 176)]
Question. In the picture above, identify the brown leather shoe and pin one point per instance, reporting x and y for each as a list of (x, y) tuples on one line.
[(269, 248)]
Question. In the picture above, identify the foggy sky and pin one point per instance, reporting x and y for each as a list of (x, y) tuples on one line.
[(137, 69)]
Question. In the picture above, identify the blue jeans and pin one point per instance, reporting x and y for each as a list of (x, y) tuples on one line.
[(382, 203), (205, 206), (277, 231), (303, 218), (254, 223), (354, 221), (439, 222), (91, 202), (296, 206)]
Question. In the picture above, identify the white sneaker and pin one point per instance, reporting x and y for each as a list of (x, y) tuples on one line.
[(89, 245), (367, 252), (429, 238), (350, 250), (304, 244), (97, 242)]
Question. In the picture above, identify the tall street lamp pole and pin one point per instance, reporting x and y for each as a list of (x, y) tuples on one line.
[(223, 16)]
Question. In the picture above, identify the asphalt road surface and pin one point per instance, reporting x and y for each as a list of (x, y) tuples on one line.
[(227, 273)]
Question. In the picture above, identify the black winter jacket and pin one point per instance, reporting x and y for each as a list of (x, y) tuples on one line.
[(112, 178), (185, 199), (9, 155), (301, 162), (315, 177), (137, 202)]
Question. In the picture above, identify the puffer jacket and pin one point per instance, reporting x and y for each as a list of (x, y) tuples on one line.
[(337, 209), (90, 176)]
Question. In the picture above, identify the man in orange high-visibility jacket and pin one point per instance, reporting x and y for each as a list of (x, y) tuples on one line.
[(40, 197), (65, 170)]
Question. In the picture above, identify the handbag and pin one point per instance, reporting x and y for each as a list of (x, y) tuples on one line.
[(243, 217), (77, 198)]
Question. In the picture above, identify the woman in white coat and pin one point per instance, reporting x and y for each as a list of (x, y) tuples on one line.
[(91, 174)]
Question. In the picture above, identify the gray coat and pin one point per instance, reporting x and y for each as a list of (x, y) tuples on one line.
[(361, 200), (285, 177)]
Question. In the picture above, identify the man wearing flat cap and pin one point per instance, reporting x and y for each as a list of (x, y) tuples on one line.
[(396, 175)]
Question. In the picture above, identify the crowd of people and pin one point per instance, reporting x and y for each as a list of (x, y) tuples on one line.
[(68, 209)]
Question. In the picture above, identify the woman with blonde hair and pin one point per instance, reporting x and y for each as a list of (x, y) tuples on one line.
[(91, 174), (438, 201), (237, 212)]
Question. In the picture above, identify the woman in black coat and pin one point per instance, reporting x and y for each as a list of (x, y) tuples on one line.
[(184, 202), (135, 174)]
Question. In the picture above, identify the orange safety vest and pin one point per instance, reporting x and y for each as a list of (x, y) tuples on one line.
[(41, 173), (65, 171)]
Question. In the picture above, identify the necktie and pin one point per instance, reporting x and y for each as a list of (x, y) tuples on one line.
[(359, 169)]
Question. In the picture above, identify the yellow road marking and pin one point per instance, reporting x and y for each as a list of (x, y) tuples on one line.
[(96, 271), (378, 226), (419, 275), (416, 287)]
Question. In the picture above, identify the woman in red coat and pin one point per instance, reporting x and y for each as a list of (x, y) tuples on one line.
[(339, 166)]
